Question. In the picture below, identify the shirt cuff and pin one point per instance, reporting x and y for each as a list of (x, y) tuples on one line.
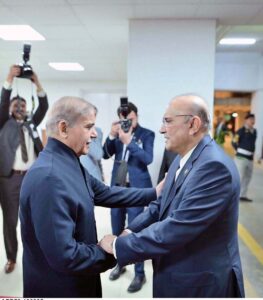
[(7, 85), (127, 230), (41, 94), (111, 137), (113, 248)]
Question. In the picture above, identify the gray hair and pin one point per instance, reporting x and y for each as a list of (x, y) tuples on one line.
[(198, 108), (203, 114), (68, 109)]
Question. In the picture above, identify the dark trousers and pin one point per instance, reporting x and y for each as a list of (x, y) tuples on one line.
[(118, 217), (9, 197)]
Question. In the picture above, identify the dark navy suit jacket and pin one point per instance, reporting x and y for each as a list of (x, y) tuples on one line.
[(190, 232), (61, 257), (141, 155)]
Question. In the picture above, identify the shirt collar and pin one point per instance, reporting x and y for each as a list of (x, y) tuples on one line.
[(185, 158)]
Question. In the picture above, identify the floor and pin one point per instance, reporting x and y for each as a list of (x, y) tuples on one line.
[(251, 248)]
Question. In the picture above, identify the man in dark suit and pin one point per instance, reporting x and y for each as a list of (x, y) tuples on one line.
[(168, 158), (133, 151), (190, 232), (19, 146), (61, 255)]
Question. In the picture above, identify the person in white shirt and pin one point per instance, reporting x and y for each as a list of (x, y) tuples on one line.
[(19, 147)]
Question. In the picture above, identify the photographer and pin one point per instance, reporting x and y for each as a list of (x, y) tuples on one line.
[(19, 146), (132, 146)]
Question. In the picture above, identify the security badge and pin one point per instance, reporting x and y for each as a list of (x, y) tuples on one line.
[(139, 143)]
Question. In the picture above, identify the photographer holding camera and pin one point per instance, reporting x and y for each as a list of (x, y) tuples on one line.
[(19, 146), (132, 146)]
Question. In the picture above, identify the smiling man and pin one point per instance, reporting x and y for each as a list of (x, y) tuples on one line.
[(61, 257), (190, 232)]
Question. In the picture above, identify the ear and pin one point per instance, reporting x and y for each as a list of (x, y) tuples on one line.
[(194, 125), (63, 129)]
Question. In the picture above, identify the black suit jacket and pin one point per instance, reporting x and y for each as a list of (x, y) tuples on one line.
[(61, 257), (168, 158), (9, 131)]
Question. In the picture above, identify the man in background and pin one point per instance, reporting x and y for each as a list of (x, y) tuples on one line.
[(19, 146), (244, 142), (133, 152), (168, 158), (92, 161)]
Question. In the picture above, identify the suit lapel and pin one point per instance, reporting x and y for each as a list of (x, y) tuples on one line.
[(174, 186)]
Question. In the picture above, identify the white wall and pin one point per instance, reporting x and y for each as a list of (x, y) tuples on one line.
[(167, 58), (243, 72), (237, 71)]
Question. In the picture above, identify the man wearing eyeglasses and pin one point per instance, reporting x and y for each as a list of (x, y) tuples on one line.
[(190, 231)]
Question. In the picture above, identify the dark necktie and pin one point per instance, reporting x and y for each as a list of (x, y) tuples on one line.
[(23, 144)]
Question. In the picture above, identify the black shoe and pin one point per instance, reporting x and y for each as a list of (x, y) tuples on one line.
[(136, 284), (245, 199), (116, 272)]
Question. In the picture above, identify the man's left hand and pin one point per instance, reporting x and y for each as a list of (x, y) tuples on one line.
[(125, 137)]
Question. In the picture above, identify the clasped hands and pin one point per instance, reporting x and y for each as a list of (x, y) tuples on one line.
[(106, 243)]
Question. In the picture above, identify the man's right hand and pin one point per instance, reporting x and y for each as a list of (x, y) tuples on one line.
[(115, 127), (14, 71), (160, 185)]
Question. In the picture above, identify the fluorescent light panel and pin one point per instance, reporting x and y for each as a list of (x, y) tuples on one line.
[(237, 41), (19, 33), (66, 66)]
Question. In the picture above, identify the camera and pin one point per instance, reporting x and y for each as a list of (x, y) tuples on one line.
[(124, 110), (25, 69)]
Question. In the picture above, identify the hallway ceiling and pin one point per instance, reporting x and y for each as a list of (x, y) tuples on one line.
[(95, 32)]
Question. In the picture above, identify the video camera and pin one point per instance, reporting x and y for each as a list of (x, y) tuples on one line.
[(124, 111), (25, 69)]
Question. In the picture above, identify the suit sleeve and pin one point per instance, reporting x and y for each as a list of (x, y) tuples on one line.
[(4, 106), (149, 216), (95, 150), (116, 196), (53, 217), (109, 148), (144, 153), (203, 202), (41, 110)]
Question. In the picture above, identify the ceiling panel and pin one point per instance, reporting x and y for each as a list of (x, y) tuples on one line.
[(95, 32), (46, 15), (231, 14), (30, 3), (103, 13), (165, 11)]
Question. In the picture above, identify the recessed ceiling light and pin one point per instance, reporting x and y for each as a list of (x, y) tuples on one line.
[(67, 66), (19, 33), (237, 41)]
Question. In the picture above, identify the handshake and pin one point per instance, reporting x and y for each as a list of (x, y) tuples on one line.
[(106, 243)]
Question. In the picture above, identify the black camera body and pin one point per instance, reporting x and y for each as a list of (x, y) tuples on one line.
[(124, 111), (25, 69)]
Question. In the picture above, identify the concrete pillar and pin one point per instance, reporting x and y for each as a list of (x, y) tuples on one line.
[(167, 58), (257, 109)]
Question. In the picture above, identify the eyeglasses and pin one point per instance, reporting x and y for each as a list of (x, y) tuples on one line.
[(167, 122)]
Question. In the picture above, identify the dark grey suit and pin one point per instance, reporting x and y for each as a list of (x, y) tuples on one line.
[(10, 182)]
